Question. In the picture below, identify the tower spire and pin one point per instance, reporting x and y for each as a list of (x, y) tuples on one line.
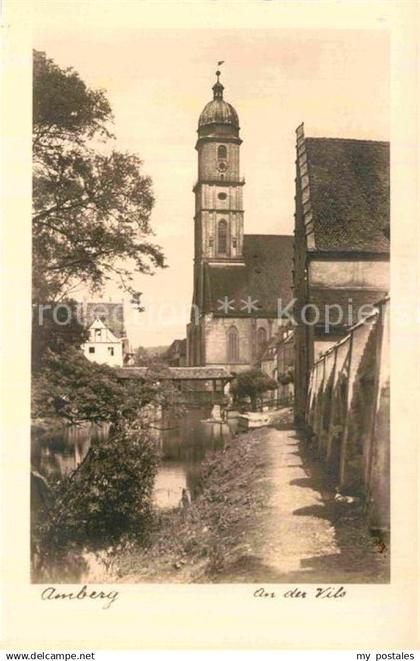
[(218, 87)]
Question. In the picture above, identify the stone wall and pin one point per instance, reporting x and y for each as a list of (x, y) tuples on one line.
[(348, 413)]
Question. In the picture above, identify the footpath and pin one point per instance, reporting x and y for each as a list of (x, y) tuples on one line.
[(267, 514)]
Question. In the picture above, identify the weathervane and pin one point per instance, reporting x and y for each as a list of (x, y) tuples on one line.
[(219, 64)]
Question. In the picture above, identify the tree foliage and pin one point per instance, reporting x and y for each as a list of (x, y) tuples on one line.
[(91, 204), (71, 388), (54, 330), (109, 496), (252, 383), (64, 108)]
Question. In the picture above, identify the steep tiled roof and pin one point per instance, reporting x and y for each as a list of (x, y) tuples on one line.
[(349, 194), (112, 315), (265, 278)]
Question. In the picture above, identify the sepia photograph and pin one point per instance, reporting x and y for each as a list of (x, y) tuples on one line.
[(210, 307), (209, 314)]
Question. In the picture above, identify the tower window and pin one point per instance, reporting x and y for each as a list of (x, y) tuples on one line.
[(222, 196), (232, 345), (222, 231), (221, 152)]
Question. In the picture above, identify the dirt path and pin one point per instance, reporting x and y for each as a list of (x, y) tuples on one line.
[(303, 534), (267, 513)]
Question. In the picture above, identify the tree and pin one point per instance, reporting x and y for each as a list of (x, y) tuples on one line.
[(141, 357), (71, 388), (91, 206), (252, 383), (55, 329), (150, 357), (91, 222)]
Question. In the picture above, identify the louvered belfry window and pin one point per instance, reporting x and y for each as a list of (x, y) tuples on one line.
[(222, 235)]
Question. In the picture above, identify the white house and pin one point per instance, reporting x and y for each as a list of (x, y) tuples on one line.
[(103, 346)]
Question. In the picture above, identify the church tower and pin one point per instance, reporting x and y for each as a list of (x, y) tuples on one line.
[(238, 278), (218, 191), (218, 219)]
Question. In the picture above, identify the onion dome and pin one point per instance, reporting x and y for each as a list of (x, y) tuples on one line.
[(218, 113)]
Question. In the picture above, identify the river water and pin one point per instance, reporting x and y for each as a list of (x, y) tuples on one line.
[(184, 440)]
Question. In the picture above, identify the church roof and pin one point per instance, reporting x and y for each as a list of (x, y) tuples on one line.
[(348, 194), (218, 111), (253, 289)]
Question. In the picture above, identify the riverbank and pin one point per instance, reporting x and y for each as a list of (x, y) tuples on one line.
[(266, 513), (194, 544)]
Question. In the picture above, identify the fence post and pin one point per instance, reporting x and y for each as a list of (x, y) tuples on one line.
[(343, 453), (329, 430), (372, 436)]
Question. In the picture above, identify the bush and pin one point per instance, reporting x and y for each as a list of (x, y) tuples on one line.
[(109, 495)]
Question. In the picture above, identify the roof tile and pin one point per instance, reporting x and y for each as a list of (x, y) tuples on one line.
[(349, 194), (265, 278)]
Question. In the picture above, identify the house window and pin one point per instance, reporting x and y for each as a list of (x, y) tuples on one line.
[(222, 237), (221, 152), (91, 349), (98, 333), (232, 345), (261, 339), (111, 351)]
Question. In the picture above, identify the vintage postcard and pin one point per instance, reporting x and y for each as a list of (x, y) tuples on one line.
[(207, 340)]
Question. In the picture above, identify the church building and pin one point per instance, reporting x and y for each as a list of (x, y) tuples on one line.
[(240, 280)]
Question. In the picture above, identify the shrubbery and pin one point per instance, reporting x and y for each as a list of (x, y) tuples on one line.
[(109, 496)]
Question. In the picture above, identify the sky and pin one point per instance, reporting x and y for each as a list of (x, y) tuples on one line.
[(158, 81)]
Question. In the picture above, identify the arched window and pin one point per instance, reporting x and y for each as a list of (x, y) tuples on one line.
[(232, 345), (222, 236), (221, 152), (261, 339)]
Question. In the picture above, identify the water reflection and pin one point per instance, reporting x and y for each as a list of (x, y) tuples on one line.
[(184, 438), (184, 441), (57, 453)]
